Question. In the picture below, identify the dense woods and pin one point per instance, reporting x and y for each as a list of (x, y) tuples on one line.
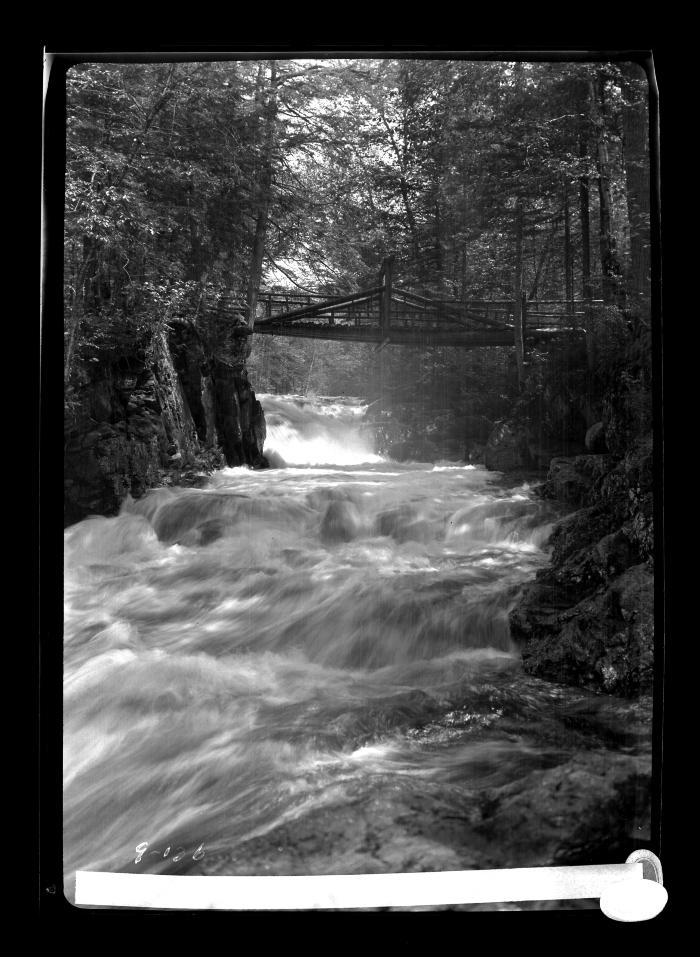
[(188, 184), (189, 181)]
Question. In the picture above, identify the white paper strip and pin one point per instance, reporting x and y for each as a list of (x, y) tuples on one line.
[(102, 889)]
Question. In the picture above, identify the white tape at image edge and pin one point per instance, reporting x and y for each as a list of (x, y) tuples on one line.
[(620, 885)]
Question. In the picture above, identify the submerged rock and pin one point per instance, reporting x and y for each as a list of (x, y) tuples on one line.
[(404, 523), (342, 522)]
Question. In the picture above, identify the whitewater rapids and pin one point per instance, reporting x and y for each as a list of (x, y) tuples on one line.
[(329, 634)]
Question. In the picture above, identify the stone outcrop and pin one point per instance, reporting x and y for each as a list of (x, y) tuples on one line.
[(164, 414), (571, 479), (506, 448), (595, 438), (584, 799), (588, 618)]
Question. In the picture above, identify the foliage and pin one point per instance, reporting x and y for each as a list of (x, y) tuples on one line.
[(189, 182)]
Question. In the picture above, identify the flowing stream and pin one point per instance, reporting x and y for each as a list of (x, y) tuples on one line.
[(301, 670)]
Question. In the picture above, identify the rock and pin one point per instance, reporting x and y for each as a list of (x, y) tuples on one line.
[(506, 448), (204, 534), (572, 479), (341, 522), (604, 642), (627, 492), (584, 811), (131, 426), (578, 530), (590, 808), (398, 451), (475, 454), (395, 521), (615, 552), (587, 619), (404, 524), (595, 438), (627, 414), (583, 570), (240, 422), (320, 498), (565, 482)]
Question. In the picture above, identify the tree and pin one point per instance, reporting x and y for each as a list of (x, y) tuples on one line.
[(635, 117)]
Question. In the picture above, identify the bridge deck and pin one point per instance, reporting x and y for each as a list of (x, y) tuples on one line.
[(387, 314), (396, 335)]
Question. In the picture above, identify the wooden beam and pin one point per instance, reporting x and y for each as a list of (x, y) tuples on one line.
[(412, 337), (335, 302)]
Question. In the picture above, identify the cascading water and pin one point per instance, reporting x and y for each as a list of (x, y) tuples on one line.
[(301, 670)]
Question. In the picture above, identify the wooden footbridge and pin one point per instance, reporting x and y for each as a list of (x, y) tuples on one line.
[(390, 314)]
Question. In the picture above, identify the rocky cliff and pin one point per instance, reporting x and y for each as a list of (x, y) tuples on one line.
[(588, 618), (164, 412)]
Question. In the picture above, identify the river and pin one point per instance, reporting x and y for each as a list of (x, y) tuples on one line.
[(308, 669)]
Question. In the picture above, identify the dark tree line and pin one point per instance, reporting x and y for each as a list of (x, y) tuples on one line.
[(187, 182)]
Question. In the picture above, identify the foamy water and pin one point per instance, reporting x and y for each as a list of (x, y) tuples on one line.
[(242, 657)]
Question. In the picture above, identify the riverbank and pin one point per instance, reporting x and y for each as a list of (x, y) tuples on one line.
[(163, 412), (588, 618)]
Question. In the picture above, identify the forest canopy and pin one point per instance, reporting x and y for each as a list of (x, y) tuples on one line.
[(192, 181)]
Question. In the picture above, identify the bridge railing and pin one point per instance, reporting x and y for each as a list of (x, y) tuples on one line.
[(408, 310)]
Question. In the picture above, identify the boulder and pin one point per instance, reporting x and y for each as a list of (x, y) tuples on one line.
[(404, 523), (394, 521), (614, 553), (604, 642), (475, 454), (583, 811), (571, 480), (595, 438), (578, 530), (506, 448), (342, 522), (627, 492)]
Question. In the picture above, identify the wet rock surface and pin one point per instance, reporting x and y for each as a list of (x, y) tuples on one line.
[(579, 794), (507, 448), (165, 415), (588, 619)]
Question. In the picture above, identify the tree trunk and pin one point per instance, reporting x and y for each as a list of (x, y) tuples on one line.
[(636, 155), (544, 256), (518, 298), (76, 315), (410, 217), (568, 257), (586, 282), (585, 217), (609, 262), (263, 189)]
